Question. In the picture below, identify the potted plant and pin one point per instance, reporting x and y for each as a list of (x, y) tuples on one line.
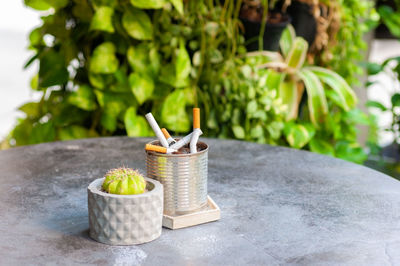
[(263, 28), (125, 208)]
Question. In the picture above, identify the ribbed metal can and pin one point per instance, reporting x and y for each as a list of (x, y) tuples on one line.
[(184, 177)]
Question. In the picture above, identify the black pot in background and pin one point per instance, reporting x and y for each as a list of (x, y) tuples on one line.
[(303, 21), (272, 34)]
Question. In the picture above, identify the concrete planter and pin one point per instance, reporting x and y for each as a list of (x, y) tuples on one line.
[(125, 219)]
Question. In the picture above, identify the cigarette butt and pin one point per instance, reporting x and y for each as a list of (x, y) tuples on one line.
[(150, 147), (157, 130), (196, 118), (166, 134), (170, 140)]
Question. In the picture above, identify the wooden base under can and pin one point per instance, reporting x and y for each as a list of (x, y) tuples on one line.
[(209, 214)]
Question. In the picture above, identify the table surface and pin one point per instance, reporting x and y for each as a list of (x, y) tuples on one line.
[(278, 206)]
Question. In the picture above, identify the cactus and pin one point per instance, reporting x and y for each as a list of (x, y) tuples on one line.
[(124, 181)]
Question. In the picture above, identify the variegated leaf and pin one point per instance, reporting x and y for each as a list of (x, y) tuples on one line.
[(297, 53), (338, 84), (317, 103)]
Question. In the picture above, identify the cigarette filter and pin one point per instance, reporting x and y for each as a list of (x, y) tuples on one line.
[(167, 136), (150, 147), (196, 118), (157, 130)]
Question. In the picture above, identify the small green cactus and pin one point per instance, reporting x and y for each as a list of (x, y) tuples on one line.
[(124, 181)]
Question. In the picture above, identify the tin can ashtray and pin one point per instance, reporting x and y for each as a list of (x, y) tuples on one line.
[(181, 165), (184, 177)]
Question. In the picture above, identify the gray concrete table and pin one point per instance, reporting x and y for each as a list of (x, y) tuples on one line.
[(279, 206)]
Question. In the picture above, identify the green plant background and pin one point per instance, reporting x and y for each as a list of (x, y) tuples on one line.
[(103, 64)]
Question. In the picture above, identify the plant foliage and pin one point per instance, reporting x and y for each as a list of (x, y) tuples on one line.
[(103, 64)]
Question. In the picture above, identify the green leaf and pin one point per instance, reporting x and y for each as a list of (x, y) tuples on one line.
[(102, 19), (42, 133), (57, 4), (31, 109), (82, 11), (238, 132), (38, 4), (317, 104), (99, 3), (395, 99), (350, 151), (376, 104), (275, 129), (189, 95), (182, 65), (357, 116), (391, 19), (338, 84), (298, 135), (215, 56), (139, 59), (289, 95), (22, 132), (103, 60), (287, 38), (35, 83), (83, 98), (274, 79), (110, 114), (74, 132), (178, 4), (136, 126), (100, 81), (297, 53), (108, 121), (251, 107), (112, 104), (148, 4), (373, 68), (36, 37), (142, 86), (52, 70), (321, 146), (257, 132), (120, 81), (138, 24), (173, 113), (212, 28)]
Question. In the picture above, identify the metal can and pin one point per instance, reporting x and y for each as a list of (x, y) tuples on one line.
[(184, 177)]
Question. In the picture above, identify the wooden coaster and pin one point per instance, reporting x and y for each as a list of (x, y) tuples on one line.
[(209, 214)]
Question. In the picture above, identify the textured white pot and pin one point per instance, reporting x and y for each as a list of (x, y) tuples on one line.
[(125, 219)]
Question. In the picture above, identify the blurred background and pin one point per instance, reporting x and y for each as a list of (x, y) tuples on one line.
[(94, 68)]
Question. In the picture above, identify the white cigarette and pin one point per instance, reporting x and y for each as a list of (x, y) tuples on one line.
[(183, 141), (193, 141), (157, 130)]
